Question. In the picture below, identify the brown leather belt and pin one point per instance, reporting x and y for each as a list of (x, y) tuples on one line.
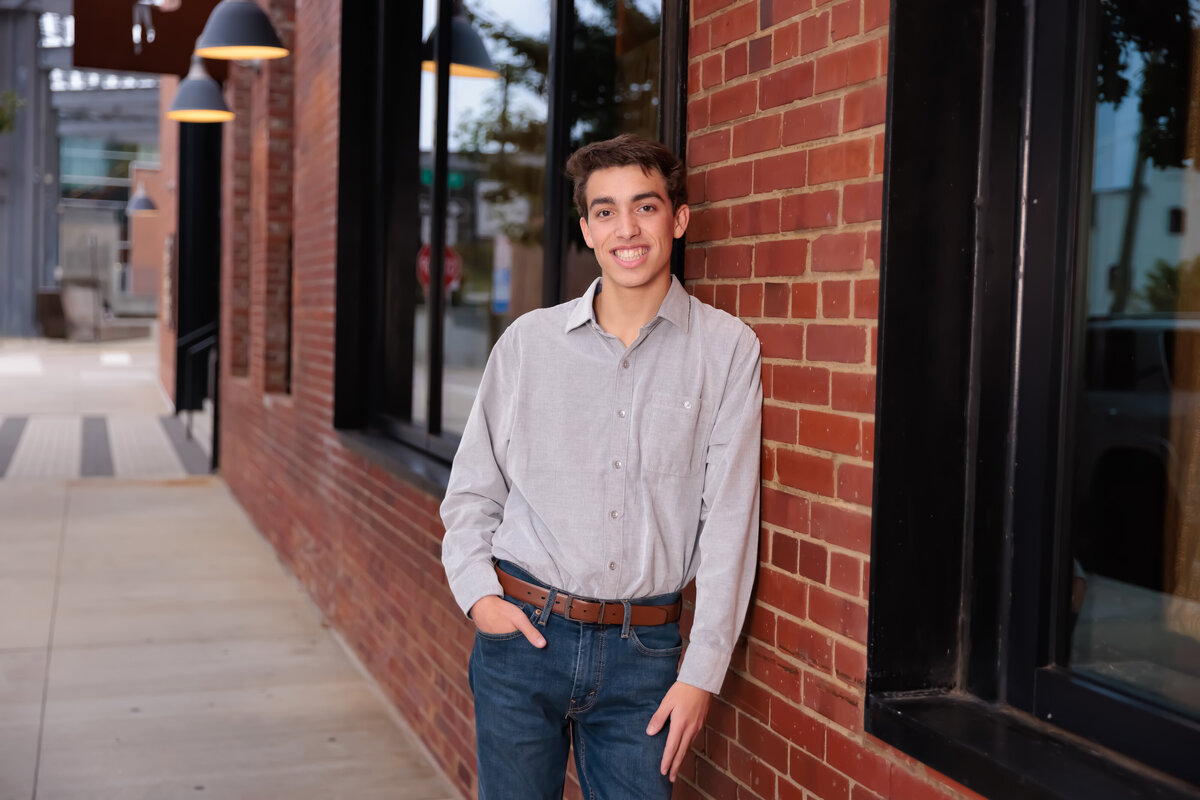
[(581, 610)]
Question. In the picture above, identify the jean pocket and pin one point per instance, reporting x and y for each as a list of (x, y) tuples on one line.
[(672, 428), (527, 609), (657, 641)]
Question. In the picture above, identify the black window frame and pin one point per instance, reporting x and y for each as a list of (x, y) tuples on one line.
[(987, 101), (378, 211)]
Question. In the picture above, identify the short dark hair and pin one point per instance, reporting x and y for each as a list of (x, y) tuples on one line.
[(627, 150)]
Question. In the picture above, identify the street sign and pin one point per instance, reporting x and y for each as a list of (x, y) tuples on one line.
[(451, 269)]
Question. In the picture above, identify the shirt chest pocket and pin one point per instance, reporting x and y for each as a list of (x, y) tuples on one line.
[(671, 442)]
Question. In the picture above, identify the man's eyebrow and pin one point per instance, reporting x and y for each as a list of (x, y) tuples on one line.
[(608, 201)]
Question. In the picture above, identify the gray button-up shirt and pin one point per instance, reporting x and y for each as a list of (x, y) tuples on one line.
[(616, 472)]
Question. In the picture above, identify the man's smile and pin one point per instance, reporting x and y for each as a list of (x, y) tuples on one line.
[(630, 254)]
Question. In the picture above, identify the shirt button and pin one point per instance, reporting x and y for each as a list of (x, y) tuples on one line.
[(614, 513), (612, 565), (687, 403), (621, 413), (616, 465), (625, 363)]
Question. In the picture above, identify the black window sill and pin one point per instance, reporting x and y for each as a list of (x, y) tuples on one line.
[(429, 474), (1003, 754)]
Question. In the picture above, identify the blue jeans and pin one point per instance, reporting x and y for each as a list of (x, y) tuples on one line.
[(595, 685)]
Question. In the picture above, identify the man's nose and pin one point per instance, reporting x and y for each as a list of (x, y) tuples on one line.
[(627, 225)]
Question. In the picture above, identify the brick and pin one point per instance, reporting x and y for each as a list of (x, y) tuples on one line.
[(806, 472), (757, 779), (732, 103), (818, 778), (809, 210), (751, 699), (842, 343), (862, 62), (780, 257), (842, 161), (729, 261), (703, 8), (784, 510), (841, 527), (715, 782), (868, 441), (760, 53), (724, 183), (835, 299), (850, 664), (774, 672), (808, 645), (904, 785), (760, 623), (785, 552), (783, 86), (780, 10), (866, 299), (726, 298), (811, 122), (803, 384), (845, 19), (763, 742), (834, 433), (736, 61), (699, 39), (875, 14), (853, 391), (854, 481), (693, 264), (695, 187), (697, 113), (750, 299), (782, 591), (804, 301), (757, 135), (755, 218), (779, 424), (785, 43), (838, 614), (786, 171), (872, 250), (693, 77), (814, 33), (865, 107), (845, 572), (784, 340), (877, 158), (858, 792), (851, 757), (776, 298), (708, 224), (712, 71), (831, 72), (732, 25), (798, 727), (708, 148), (862, 202)]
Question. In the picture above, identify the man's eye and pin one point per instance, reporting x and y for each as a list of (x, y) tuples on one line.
[(649, 209), (603, 213)]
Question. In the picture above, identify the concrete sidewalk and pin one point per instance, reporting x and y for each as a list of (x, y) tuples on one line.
[(151, 646)]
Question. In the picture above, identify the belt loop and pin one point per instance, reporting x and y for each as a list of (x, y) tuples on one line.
[(548, 609), (628, 618)]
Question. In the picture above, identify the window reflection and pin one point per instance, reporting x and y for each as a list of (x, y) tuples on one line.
[(1135, 588)]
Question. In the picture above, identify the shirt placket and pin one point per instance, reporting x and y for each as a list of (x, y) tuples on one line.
[(615, 487)]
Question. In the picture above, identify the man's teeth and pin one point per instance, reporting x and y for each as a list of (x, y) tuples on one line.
[(630, 255)]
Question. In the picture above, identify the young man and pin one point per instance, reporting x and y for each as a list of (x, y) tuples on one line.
[(611, 456)]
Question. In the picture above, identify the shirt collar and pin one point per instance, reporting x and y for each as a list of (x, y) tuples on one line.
[(674, 309)]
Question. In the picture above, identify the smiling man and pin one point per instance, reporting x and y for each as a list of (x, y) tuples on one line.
[(611, 458)]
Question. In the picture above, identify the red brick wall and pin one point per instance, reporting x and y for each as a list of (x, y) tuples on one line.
[(168, 211), (786, 113)]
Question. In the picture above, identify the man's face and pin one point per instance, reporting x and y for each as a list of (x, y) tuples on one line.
[(630, 226)]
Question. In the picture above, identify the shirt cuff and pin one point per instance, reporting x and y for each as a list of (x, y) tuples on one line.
[(704, 668), (473, 583)]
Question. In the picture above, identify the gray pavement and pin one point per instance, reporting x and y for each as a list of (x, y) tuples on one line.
[(151, 645)]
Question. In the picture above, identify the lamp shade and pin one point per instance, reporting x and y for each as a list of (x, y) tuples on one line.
[(469, 57), (140, 205), (199, 98), (239, 30)]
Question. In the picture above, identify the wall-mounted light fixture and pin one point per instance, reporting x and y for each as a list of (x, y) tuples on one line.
[(470, 57), (140, 205), (199, 98), (239, 30)]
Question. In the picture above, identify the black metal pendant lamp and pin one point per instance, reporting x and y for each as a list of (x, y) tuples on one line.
[(239, 30), (199, 97), (140, 205), (470, 57)]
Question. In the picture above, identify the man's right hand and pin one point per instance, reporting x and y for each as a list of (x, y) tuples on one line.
[(495, 615)]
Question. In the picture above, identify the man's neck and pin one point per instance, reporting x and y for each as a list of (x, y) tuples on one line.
[(623, 312)]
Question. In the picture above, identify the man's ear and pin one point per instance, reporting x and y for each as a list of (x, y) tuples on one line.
[(682, 215), (587, 232)]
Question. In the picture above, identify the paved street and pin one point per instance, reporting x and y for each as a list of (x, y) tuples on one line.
[(151, 646)]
